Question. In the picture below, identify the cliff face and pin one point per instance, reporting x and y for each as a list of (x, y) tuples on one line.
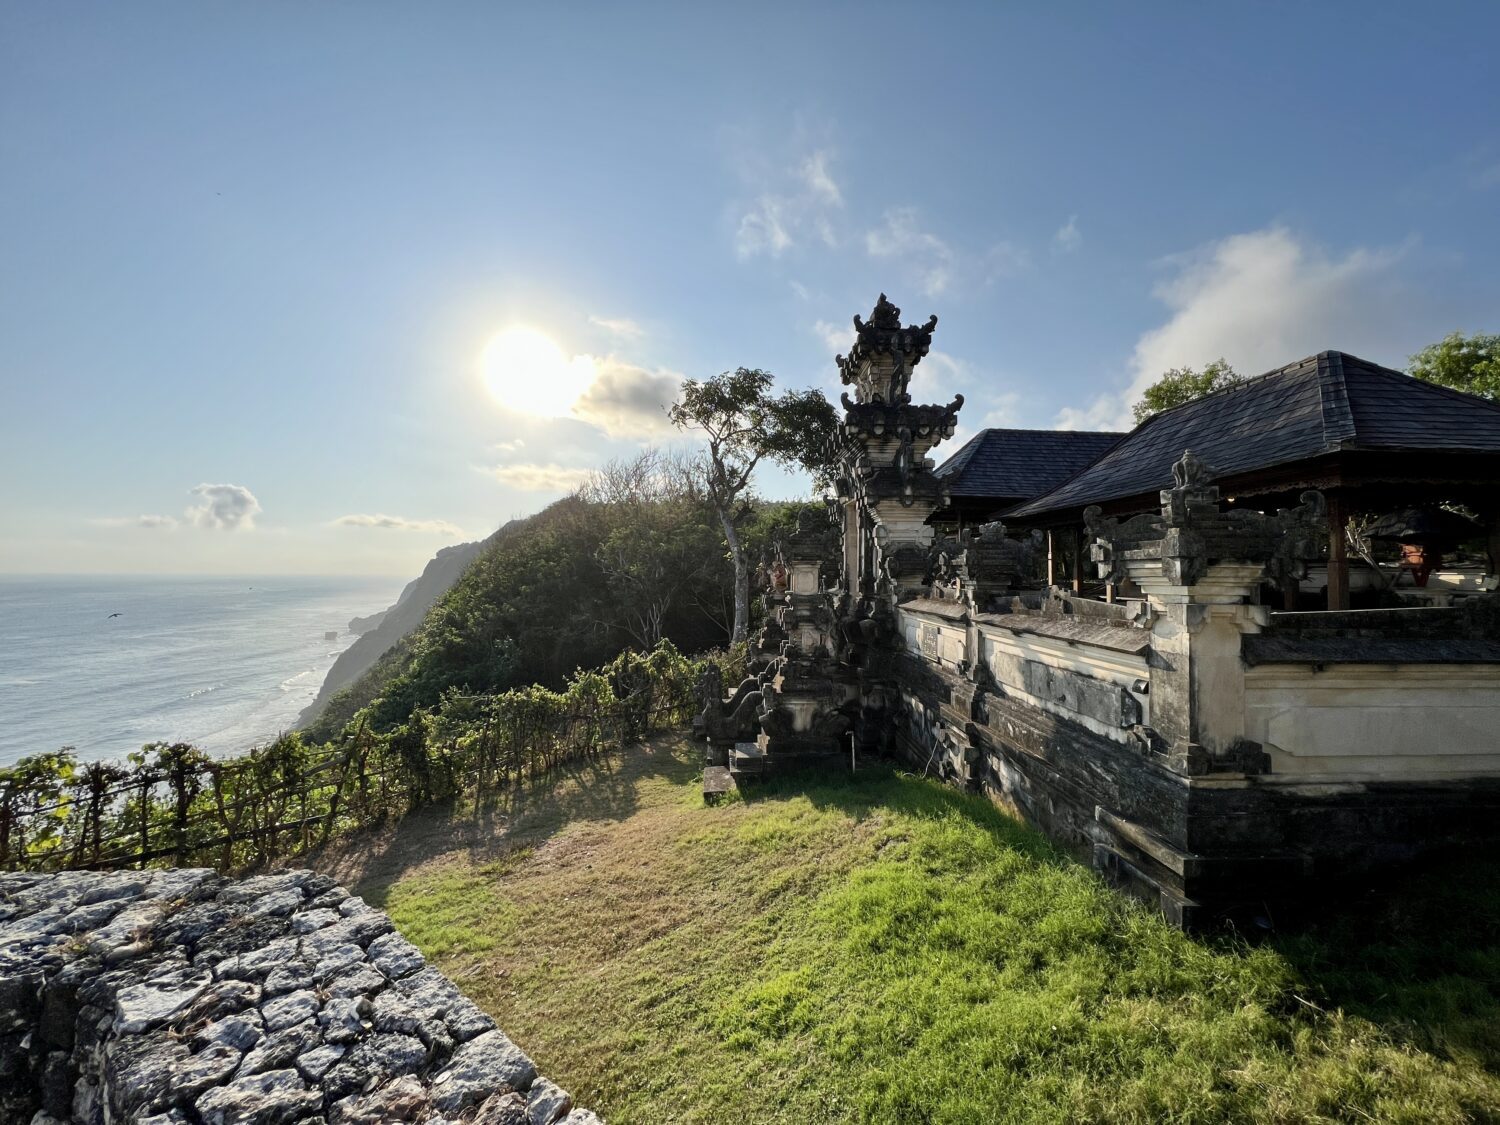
[(397, 621)]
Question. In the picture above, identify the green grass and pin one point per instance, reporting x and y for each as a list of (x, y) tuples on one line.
[(886, 949)]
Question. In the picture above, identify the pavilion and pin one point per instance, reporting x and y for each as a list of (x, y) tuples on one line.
[(1369, 438)]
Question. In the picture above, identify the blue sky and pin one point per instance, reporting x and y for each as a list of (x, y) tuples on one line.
[(252, 254)]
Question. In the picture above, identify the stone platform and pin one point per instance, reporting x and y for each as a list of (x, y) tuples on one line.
[(179, 997), (718, 784)]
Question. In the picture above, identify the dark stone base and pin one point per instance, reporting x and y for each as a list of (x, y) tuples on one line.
[(1225, 849)]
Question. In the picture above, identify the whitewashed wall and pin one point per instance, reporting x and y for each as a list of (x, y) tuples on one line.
[(1372, 721)]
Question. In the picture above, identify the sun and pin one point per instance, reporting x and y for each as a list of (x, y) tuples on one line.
[(526, 371)]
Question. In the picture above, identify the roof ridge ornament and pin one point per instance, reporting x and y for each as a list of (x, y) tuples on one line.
[(884, 353)]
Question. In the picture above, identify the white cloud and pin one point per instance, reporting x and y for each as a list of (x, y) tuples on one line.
[(398, 523), (620, 326), (510, 446), (901, 236), (763, 229), (1261, 300), (626, 400), (540, 478), (790, 206), (1005, 259), (1068, 237), (837, 338), (819, 181), (153, 523), (224, 507)]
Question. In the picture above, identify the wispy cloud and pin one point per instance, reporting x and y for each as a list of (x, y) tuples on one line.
[(819, 180), (900, 235), (539, 478), (795, 204), (1068, 237), (837, 338), (1260, 300), (764, 229), (623, 327), (399, 523), (223, 507), (153, 523)]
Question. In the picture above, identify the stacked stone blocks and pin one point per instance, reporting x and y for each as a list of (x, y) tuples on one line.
[(179, 997)]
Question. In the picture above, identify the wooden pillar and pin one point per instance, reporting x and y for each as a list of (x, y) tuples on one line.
[(1338, 553), (1077, 561), (1051, 557), (1289, 594)]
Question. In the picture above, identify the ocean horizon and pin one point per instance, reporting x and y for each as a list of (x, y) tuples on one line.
[(226, 663)]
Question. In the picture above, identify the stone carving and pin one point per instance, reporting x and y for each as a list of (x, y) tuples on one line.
[(883, 338), (723, 722), (978, 567), (1191, 533)]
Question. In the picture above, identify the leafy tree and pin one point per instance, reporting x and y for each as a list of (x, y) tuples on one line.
[(658, 549), (745, 424), (1183, 384), (1464, 363)]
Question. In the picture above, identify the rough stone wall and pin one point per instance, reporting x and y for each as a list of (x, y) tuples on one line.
[(181, 998)]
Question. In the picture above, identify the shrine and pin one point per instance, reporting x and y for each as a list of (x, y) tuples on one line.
[(1144, 643)]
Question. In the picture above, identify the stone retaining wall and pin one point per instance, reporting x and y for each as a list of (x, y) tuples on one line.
[(182, 998)]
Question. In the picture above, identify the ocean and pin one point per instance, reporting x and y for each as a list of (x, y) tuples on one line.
[(224, 663)]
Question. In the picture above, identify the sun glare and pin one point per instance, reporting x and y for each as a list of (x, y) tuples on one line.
[(526, 371)]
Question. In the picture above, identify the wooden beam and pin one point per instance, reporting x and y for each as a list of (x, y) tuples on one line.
[(1077, 561), (1051, 557), (1338, 553)]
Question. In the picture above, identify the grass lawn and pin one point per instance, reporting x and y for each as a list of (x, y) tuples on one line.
[(887, 949)]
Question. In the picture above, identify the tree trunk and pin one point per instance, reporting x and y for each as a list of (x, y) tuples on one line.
[(741, 580)]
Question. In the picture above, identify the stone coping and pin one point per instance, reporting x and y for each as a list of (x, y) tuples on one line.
[(1072, 630), (1268, 648), (178, 997)]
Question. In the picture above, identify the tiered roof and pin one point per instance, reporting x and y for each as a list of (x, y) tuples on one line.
[(1328, 404), (1001, 464)]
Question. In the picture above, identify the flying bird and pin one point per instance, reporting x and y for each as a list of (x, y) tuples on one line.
[(114, 615)]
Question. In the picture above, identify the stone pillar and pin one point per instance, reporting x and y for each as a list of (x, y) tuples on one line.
[(886, 483), (1201, 572)]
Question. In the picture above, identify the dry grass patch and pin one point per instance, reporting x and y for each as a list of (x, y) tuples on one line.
[(886, 949)]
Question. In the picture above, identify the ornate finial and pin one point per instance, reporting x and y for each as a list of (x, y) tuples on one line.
[(1191, 472), (885, 315)]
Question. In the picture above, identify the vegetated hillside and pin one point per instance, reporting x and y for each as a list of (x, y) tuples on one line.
[(883, 948), (401, 618), (567, 588)]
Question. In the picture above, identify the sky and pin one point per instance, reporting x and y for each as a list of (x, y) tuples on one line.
[(322, 288)]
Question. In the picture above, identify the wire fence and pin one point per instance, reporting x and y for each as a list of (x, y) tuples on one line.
[(174, 804)]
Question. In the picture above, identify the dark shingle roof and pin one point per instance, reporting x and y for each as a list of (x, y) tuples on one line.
[(1003, 464), (1324, 404)]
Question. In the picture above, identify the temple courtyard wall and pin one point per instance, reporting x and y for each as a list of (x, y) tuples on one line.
[(179, 997), (1368, 743)]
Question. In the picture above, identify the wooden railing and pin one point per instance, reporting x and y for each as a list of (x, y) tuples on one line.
[(172, 803)]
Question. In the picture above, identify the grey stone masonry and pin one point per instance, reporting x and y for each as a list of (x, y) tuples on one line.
[(179, 997)]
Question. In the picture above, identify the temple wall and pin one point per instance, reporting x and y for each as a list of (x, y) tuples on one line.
[(1369, 765), (1056, 667), (1390, 721)]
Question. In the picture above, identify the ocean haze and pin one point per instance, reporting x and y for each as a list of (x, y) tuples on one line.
[(224, 663)]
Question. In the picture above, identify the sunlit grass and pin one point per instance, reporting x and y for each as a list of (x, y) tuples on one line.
[(885, 949)]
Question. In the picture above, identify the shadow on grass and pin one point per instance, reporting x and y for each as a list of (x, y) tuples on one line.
[(487, 828), (1419, 956)]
